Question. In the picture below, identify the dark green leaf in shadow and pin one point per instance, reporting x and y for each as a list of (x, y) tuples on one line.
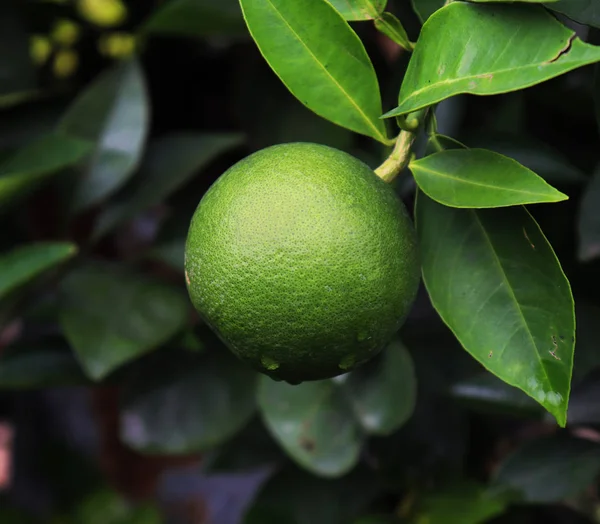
[(359, 9), (588, 220), (549, 469), (111, 316), (182, 403), (382, 393), (34, 163), (496, 48), (171, 253), (391, 27), (320, 59), (24, 263), (425, 8), (487, 393), (495, 281), (437, 143), (478, 178), (196, 18), (16, 68), (39, 367), (460, 503), (582, 11), (313, 423), (171, 161), (332, 501), (113, 113)]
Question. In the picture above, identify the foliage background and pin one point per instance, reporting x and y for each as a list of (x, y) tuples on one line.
[(124, 408)]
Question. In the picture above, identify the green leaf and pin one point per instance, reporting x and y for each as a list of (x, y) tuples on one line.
[(390, 26), (495, 281), (110, 316), (582, 11), (24, 263), (480, 178), (320, 59), (460, 503), (503, 47), (313, 423), (170, 162), (383, 393), (487, 393), (196, 18), (39, 367), (588, 220), (355, 10), (113, 113), (550, 469), (437, 143), (529, 151), (181, 402), (425, 8), (29, 166), (16, 68)]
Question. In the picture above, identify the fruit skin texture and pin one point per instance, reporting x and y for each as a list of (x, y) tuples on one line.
[(303, 261)]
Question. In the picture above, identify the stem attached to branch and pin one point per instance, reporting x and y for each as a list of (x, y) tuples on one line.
[(399, 157)]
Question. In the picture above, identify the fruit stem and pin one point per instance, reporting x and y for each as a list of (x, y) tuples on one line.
[(399, 157)]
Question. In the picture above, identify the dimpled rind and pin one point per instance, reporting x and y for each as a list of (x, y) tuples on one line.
[(303, 261)]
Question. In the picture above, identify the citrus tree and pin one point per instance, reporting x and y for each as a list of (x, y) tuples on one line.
[(394, 207)]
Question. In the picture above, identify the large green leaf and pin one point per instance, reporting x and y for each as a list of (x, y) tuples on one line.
[(495, 281), (35, 162), (113, 113), (495, 48), (383, 392), (23, 263), (110, 316), (196, 18), (550, 469), (589, 220), (320, 59), (313, 423), (359, 9), (179, 402), (170, 162), (480, 178), (582, 11), (463, 502)]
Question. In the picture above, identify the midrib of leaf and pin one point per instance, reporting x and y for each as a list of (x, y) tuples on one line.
[(481, 184), (512, 294), (328, 74)]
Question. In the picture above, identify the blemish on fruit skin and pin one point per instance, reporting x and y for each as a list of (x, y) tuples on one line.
[(347, 362), (187, 278), (269, 363)]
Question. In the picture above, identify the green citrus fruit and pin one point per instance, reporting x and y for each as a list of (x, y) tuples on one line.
[(303, 261)]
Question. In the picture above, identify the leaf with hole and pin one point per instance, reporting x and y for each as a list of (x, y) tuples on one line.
[(496, 48), (495, 281), (320, 59)]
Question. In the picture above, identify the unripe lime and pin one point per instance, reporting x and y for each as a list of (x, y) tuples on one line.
[(103, 13), (303, 261)]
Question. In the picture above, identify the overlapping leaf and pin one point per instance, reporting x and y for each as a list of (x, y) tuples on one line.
[(113, 113), (359, 9), (34, 163), (479, 178), (197, 18), (22, 264), (496, 48), (110, 316), (320, 59), (495, 281), (582, 11)]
